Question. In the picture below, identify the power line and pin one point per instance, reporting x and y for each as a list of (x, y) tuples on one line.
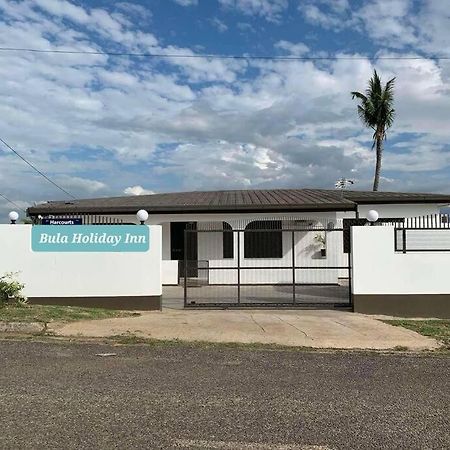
[(222, 56), (12, 203), (36, 169)]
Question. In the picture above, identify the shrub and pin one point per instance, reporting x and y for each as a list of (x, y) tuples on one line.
[(11, 290)]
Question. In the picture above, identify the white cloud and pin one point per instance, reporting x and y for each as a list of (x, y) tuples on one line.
[(137, 190), (394, 24), (335, 15), (390, 21), (187, 2), (271, 10), (64, 9), (79, 184), (219, 25), (294, 49)]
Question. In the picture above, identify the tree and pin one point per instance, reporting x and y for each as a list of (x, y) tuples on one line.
[(376, 112)]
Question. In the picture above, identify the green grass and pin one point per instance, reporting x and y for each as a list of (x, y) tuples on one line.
[(437, 329), (54, 313)]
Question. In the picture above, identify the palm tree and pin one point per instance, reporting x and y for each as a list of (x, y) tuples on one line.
[(376, 112)]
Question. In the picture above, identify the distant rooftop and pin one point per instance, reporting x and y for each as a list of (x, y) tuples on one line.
[(236, 201)]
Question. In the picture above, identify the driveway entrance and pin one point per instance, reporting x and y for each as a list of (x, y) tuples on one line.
[(270, 263), (306, 328)]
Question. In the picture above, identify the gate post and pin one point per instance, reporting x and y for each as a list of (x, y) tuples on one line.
[(293, 267), (185, 267), (350, 269), (239, 266)]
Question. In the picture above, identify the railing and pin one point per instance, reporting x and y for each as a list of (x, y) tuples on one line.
[(429, 233), (422, 240), (429, 221), (86, 219)]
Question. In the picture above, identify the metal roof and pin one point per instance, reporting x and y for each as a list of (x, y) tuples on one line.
[(235, 201)]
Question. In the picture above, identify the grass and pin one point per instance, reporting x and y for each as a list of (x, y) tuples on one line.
[(437, 329), (129, 339), (55, 313)]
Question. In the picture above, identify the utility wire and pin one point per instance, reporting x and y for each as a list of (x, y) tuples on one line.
[(36, 169), (221, 56), (12, 203)]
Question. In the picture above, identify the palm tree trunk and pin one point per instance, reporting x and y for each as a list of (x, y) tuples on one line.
[(379, 150)]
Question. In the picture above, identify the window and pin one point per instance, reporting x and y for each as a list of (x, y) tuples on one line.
[(267, 243), (228, 250)]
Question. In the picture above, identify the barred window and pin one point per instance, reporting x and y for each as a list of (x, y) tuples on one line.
[(266, 243), (228, 235)]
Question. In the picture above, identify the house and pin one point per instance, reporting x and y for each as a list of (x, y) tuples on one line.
[(270, 231)]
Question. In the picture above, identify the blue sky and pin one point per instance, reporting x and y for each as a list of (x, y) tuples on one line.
[(103, 126)]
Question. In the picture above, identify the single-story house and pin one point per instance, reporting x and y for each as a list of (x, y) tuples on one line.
[(271, 230)]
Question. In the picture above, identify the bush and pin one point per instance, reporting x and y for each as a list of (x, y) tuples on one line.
[(11, 291)]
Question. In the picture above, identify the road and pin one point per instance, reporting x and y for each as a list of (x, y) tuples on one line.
[(61, 395)]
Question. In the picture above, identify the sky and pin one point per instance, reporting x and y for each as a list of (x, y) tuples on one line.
[(103, 125)]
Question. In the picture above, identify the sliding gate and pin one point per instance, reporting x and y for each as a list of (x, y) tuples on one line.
[(267, 265)]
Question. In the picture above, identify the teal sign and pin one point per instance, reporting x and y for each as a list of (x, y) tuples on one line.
[(90, 238)]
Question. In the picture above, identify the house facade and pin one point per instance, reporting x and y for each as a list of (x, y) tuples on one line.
[(283, 234)]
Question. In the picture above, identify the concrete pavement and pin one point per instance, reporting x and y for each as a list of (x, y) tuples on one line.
[(303, 328)]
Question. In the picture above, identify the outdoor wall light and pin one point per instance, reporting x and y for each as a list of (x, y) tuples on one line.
[(13, 216), (372, 216), (142, 216)]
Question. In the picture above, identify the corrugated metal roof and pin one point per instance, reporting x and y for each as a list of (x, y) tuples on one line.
[(236, 201)]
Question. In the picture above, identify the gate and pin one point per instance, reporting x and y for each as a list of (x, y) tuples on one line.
[(270, 263)]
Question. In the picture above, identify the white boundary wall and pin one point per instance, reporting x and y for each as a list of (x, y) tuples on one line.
[(80, 274), (378, 269)]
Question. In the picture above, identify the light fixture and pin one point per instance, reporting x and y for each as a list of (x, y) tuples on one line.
[(13, 216), (372, 216), (142, 216)]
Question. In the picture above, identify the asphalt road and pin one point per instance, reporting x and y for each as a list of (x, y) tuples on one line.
[(63, 396)]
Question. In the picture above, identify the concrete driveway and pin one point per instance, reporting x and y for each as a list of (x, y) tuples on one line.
[(303, 328)]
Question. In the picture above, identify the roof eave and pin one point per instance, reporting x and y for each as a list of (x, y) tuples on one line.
[(45, 210)]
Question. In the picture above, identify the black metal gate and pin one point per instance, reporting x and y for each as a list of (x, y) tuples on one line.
[(267, 264)]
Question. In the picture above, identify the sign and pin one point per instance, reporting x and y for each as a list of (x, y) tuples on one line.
[(90, 238), (62, 221)]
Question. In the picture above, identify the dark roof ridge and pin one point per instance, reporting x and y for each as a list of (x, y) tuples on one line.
[(237, 200)]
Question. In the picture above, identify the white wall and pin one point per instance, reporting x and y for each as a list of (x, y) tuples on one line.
[(80, 274), (400, 210), (169, 272), (378, 269)]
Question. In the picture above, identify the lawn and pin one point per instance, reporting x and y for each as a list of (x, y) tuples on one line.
[(53, 313), (437, 329)]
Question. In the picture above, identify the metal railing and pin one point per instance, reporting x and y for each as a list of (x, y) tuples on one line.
[(422, 240)]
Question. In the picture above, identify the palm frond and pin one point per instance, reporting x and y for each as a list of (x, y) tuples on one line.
[(359, 96)]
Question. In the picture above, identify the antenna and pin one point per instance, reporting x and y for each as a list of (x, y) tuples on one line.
[(342, 183)]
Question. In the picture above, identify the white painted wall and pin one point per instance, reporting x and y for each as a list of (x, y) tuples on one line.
[(400, 210), (80, 274), (378, 269), (169, 272)]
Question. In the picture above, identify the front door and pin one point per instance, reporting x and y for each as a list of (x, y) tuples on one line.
[(177, 249)]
